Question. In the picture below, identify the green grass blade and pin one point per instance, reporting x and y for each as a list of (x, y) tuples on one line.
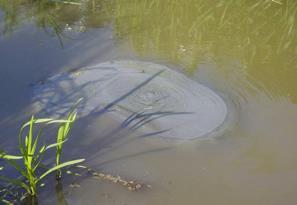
[(37, 121), (68, 126), (26, 141), (65, 164), (43, 120), (60, 135), (36, 141), (7, 156), (21, 144), (5, 201), (60, 138), (37, 163), (54, 145), (76, 104), (30, 136), (58, 121)]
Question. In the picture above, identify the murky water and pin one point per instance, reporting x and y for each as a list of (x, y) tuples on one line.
[(245, 51)]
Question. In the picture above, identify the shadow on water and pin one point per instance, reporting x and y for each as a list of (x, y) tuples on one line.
[(108, 136), (118, 136), (32, 32), (59, 99), (103, 143)]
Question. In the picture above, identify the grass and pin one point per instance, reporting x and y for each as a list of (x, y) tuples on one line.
[(31, 154), (62, 136)]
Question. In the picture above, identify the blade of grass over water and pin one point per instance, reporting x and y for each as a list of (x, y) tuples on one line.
[(58, 167)]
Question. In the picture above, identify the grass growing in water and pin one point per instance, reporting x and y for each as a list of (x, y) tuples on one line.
[(31, 155), (62, 136)]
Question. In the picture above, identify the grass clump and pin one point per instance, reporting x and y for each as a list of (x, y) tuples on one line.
[(31, 154)]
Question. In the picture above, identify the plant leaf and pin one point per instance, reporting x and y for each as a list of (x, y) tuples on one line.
[(58, 121), (36, 141), (54, 145), (65, 164), (7, 156)]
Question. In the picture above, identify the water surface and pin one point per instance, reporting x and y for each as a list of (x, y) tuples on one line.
[(245, 51)]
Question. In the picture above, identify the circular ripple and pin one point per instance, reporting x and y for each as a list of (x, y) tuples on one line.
[(170, 101)]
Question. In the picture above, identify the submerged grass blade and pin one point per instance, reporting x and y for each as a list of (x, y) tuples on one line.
[(18, 168), (16, 182)]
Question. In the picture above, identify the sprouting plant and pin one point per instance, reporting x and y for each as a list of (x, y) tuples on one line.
[(62, 135), (31, 156)]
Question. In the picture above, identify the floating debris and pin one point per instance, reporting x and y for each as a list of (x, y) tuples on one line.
[(131, 185)]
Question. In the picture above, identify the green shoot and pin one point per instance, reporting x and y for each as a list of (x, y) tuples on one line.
[(62, 135), (31, 155)]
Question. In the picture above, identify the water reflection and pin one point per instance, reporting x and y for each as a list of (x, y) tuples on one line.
[(60, 194), (259, 35), (54, 17)]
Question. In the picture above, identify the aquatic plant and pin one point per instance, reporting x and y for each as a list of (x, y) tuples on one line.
[(62, 135), (32, 155)]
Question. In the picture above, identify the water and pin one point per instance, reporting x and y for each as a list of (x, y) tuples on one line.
[(143, 94), (246, 52)]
